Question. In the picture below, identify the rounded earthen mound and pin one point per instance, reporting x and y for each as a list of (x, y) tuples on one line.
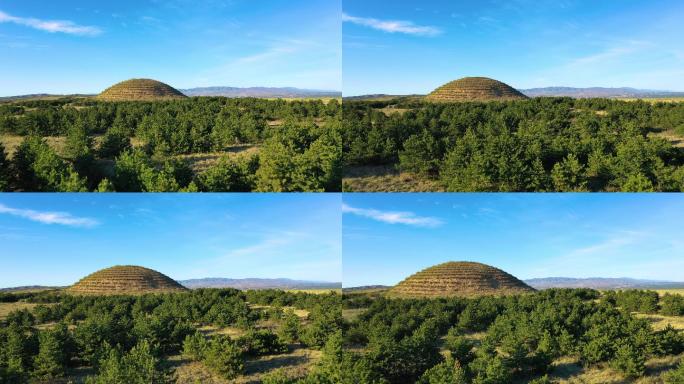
[(140, 89), (125, 280), (459, 278), (474, 89)]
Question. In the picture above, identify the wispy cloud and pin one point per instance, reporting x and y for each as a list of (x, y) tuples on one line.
[(45, 217), (393, 26), (620, 49), (406, 218), (52, 26), (276, 50)]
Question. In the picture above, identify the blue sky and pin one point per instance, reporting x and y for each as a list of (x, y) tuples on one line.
[(404, 47), (83, 46), (387, 237), (55, 239)]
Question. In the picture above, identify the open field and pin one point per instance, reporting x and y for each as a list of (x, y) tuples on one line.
[(6, 308), (315, 291), (568, 370), (679, 291), (654, 100), (660, 322)]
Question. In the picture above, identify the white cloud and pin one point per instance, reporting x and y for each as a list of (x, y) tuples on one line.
[(406, 218), (52, 26), (392, 26), (276, 49), (620, 49), (60, 218)]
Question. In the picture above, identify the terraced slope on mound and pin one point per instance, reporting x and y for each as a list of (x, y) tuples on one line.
[(140, 89), (459, 278), (125, 280), (474, 89)]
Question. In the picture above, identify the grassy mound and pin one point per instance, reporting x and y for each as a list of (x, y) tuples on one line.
[(140, 89), (474, 89), (125, 280), (459, 278)]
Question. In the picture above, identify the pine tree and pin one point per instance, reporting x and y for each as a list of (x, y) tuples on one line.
[(52, 355)]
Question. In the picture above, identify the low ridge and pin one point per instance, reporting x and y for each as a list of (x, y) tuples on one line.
[(140, 89), (459, 278), (474, 89), (125, 280)]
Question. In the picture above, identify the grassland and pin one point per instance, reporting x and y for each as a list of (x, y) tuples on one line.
[(6, 308), (384, 178), (296, 363)]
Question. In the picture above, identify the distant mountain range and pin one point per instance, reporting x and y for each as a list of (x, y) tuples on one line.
[(27, 288), (252, 283), (578, 93), (365, 288), (599, 92), (262, 92), (601, 283)]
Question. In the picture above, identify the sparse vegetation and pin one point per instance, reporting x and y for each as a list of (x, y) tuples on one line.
[(551, 336), (139, 339), (211, 144), (541, 144)]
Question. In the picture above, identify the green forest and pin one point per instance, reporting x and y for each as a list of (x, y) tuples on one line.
[(541, 144), (130, 339), (513, 339), (150, 146)]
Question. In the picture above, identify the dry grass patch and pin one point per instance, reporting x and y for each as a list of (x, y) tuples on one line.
[(199, 162), (568, 370), (385, 178), (352, 314), (677, 141), (6, 308), (675, 291), (659, 322), (296, 363), (12, 142), (391, 110)]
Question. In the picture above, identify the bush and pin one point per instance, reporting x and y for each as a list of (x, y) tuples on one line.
[(460, 347), (290, 327), (53, 353), (630, 361), (224, 357), (672, 305), (195, 346), (261, 342), (139, 366), (449, 371), (675, 376)]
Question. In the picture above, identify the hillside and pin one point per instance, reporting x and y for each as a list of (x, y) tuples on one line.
[(459, 278), (474, 89), (125, 280)]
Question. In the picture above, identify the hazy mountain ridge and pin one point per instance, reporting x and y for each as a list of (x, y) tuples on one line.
[(259, 92), (263, 92), (623, 92), (255, 283), (601, 283)]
